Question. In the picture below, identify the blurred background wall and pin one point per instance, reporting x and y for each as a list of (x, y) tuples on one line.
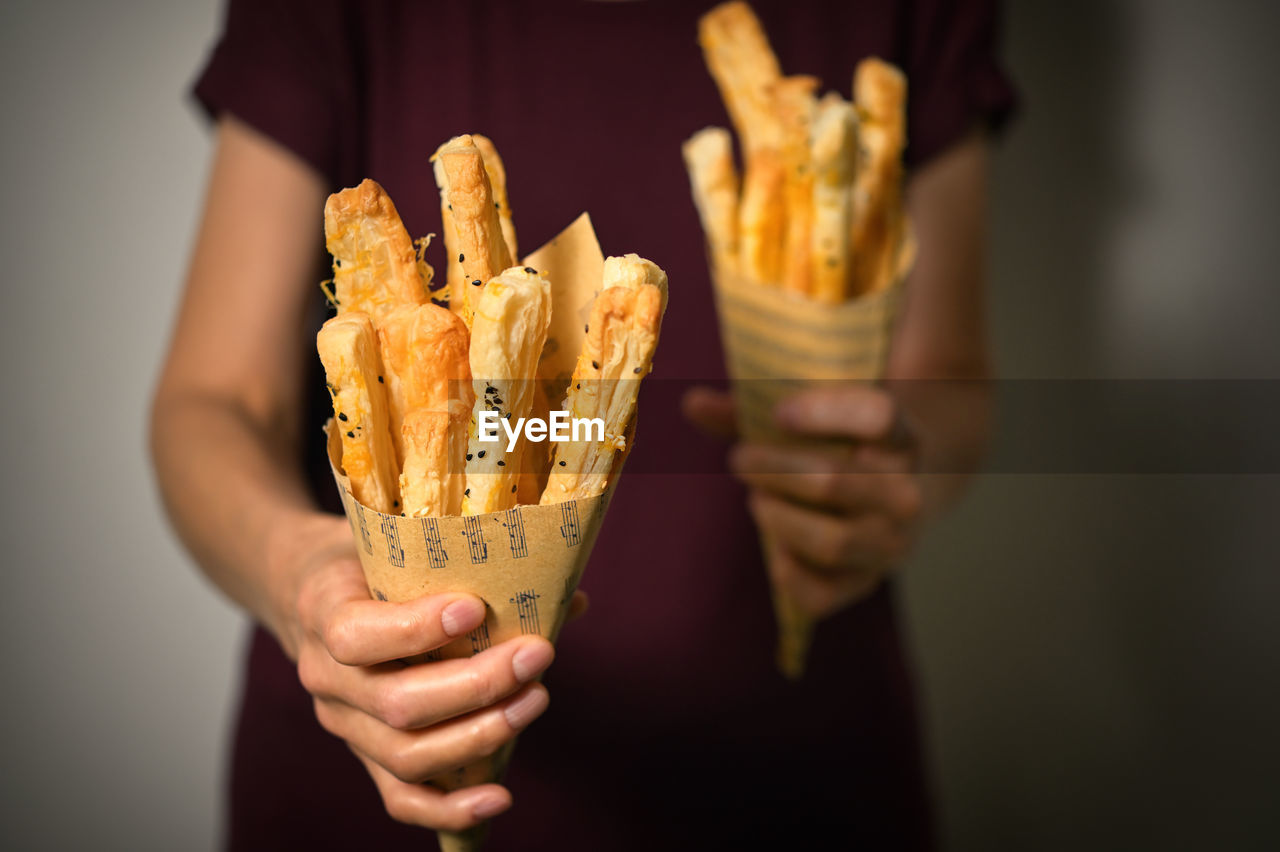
[(1099, 652)]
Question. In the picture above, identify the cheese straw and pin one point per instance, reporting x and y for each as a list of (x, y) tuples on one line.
[(507, 334), (618, 351)]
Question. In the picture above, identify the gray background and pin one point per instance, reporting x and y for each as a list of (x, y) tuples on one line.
[(1099, 653)]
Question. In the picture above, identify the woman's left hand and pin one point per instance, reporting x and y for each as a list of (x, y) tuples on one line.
[(839, 516)]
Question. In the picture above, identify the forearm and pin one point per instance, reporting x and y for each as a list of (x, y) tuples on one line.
[(939, 368), (236, 502), (950, 421)]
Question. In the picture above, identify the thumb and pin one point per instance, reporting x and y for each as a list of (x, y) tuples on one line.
[(713, 411)]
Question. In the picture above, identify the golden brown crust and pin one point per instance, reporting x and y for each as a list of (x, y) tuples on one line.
[(835, 159), (349, 351), (375, 266), (762, 217), (433, 478), (743, 64), (793, 102), (481, 247), (617, 353), (453, 269), (880, 92), (497, 172), (507, 335), (708, 156), (424, 352)]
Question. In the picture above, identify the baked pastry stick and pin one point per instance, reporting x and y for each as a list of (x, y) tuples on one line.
[(507, 336), (433, 477), (835, 158), (349, 351), (708, 155), (617, 353), (880, 92), (743, 65), (497, 174), (375, 266), (481, 247), (794, 105), (424, 359)]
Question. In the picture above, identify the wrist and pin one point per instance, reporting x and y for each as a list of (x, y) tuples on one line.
[(295, 545)]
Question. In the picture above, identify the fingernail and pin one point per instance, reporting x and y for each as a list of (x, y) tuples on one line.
[(489, 806), (461, 615), (526, 708), (531, 660)]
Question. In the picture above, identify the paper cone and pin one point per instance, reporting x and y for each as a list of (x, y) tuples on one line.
[(525, 563), (777, 343)]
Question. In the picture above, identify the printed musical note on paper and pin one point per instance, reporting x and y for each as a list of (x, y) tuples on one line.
[(526, 603), (480, 638), (514, 523), (364, 529), (475, 539), (569, 527), (436, 555), (390, 531)]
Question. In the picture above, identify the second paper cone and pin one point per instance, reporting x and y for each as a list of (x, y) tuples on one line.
[(777, 343)]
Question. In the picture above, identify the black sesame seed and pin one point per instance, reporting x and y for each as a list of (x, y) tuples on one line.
[(337, 262), (513, 489), (395, 503), (595, 366), (475, 283), (351, 434), (490, 389), (468, 456), (466, 493), (450, 206), (342, 417), (578, 386), (636, 370), (531, 270), (501, 463), (480, 454), (562, 464), (497, 206), (461, 257), (497, 401), (380, 380), (586, 329)]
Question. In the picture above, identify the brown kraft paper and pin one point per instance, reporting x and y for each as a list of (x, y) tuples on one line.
[(524, 563), (777, 343)]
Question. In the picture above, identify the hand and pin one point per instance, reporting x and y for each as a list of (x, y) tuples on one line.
[(409, 723), (839, 517)]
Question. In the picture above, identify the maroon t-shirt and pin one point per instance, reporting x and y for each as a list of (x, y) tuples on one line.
[(669, 727)]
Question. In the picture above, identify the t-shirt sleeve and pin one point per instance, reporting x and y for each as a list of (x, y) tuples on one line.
[(286, 69), (954, 73)]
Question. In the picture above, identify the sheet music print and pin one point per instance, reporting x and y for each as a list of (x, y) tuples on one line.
[(364, 529), (475, 539), (527, 605), (514, 523), (569, 523), (436, 555), (480, 638), (392, 533)]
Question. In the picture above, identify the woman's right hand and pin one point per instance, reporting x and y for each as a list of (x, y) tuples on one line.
[(406, 723)]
